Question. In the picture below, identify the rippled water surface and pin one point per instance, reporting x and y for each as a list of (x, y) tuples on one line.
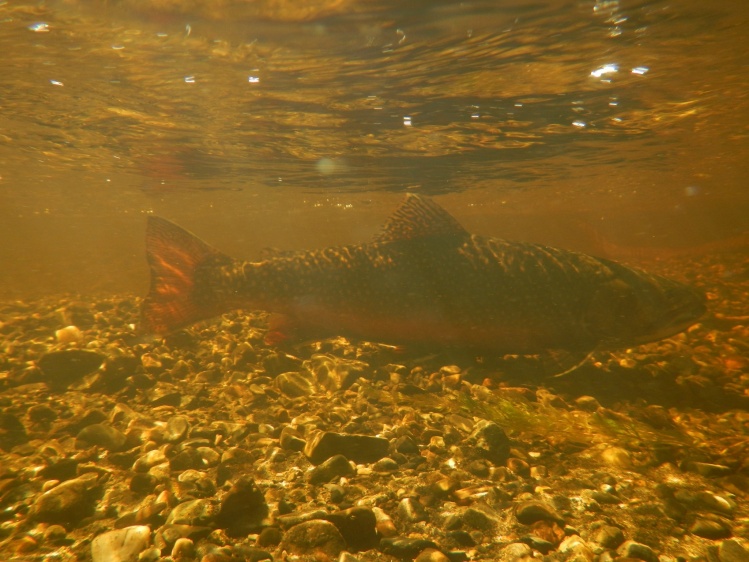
[(614, 127)]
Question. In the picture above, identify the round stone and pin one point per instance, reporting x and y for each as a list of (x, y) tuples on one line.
[(121, 545)]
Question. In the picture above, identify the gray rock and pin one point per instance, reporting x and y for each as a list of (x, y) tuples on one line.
[(186, 460), (710, 529), (432, 555), (609, 536), (480, 517), (289, 520), (68, 502), (537, 543), (528, 513), (314, 538), (632, 549), (516, 551), (101, 435), (491, 442), (576, 549), (12, 431), (270, 536), (121, 545), (334, 467), (150, 459), (356, 448), (63, 368), (183, 549), (290, 441), (243, 509), (357, 525), (405, 548), (385, 464), (176, 429), (410, 509), (406, 445), (200, 512)]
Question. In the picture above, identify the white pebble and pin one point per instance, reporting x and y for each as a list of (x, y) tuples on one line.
[(121, 545), (69, 334)]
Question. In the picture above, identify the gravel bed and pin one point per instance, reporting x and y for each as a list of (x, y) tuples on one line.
[(210, 446)]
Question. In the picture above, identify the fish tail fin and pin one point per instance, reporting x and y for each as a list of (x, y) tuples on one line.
[(177, 297)]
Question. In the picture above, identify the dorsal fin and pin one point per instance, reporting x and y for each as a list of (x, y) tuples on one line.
[(419, 217)]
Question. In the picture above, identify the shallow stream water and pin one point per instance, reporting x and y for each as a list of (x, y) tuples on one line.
[(613, 127)]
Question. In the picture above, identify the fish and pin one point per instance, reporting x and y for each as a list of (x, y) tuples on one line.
[(424, 281)]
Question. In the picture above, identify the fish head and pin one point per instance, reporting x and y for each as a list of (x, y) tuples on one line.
[(633, 308)]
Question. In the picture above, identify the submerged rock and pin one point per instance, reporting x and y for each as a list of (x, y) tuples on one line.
[(356, 448), (63, 368), (120, 545), (69, 502), (314, 538)]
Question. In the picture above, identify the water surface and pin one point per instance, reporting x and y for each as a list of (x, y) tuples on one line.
[(613, 127)]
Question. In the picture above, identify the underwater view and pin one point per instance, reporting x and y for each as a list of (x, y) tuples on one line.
[(348, 280)]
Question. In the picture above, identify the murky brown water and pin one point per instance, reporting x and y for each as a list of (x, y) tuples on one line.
[(613, 127)]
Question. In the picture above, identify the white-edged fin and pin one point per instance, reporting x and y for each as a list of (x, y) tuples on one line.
[(420, 217)]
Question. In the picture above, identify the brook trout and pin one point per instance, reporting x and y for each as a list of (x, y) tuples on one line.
[(423, 281)]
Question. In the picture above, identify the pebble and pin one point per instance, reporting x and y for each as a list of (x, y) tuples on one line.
[(55, 534), (176, 429), (516, 551), (616, 457), (143, 483), (295, 385), (149, 460), (587, 403), (334, 467), (432, 555), (406, 445), (101, 435), (537, 543), (200, 512), (269, 536), (69, 502), (69, 334), (385, 465), (291, 442), (314, 538), (357, 525), (530, 512), (480, 517), (405, 548), (491, 442), (357, 448), (710, 529), (409, 509), (186, 460), (63, 368), (120, 545), (639, 551), (183, 549), (243, 509), (609, 536), (575, 549)]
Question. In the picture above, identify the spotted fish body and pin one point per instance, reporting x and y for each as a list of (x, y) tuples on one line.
[(425, 280)]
